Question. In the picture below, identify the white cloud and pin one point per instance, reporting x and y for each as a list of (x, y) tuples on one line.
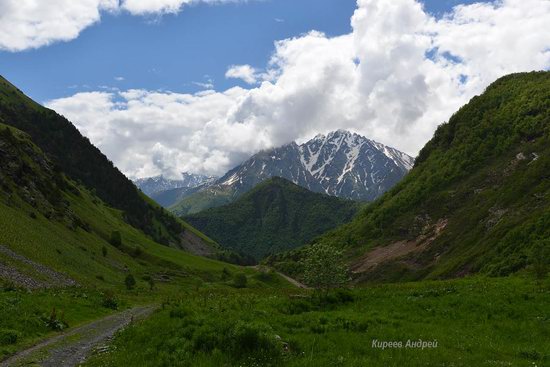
[(398, 75), (244, 72), (28, 24), (32, 23), (141, 7), (119, 78)]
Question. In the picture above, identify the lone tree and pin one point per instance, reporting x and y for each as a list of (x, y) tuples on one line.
[(324, 267)]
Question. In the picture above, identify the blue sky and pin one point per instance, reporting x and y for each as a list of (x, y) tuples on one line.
[(176, 51), (398, 73)]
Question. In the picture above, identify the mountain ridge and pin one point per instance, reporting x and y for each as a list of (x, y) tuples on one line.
[(156, 184), (75, 156), (476, 201), (341, 164), (274, 216)]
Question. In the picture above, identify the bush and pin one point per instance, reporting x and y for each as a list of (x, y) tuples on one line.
[(137, 251), (265, 277), (226, 274), (251, 338), (540, 255), (55, 322), (116, 239), (8, 336), (104, 251), (179, 313), (339, 296), (109, 300), (130, 282), (324, 267), (240, 281)]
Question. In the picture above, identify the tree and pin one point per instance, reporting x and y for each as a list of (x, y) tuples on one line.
[(116, 239), (130, 282), (324, 267)]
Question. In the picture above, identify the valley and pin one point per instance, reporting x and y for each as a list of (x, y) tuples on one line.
[(67, 258), (271, 183)]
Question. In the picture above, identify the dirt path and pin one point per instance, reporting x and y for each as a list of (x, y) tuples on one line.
[(292, 281), (74, 346)]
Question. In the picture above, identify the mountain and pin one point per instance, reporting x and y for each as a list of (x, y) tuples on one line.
[(54, 232), (340, 164), (477, 199), (167, 198), (274, 216), (82, 162), (157, 184)]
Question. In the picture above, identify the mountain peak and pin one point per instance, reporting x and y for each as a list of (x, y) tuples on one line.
[(155, 184), (342, 164)]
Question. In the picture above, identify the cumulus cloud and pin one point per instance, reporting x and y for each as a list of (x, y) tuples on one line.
[(244, 72), (394, 78), (27, 24), (30, 24), (140, 7)]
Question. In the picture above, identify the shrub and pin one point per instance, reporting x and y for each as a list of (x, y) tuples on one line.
[(252, 338), (116, 239), (179, 313), (54, 321), (240, 281), (324, 267), (540, 255), (130, 282), (8, 285), (265, 277), (109, 300), (296, 307), (226, 274), (137, 252), (8, 336), (104, 251), (151, 281)]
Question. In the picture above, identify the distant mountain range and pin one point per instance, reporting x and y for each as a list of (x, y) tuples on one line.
[(152, 185), (341, 164)]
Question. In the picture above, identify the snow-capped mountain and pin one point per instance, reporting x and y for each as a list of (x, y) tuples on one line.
[(340, 164), (156, 184)]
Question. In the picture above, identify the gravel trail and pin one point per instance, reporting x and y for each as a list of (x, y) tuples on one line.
[(74, 346)]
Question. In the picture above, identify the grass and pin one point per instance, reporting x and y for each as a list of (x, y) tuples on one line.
[(475, 321), (26, 314), (48, 219)]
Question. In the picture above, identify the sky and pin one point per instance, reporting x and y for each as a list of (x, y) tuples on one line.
[(166, 86)]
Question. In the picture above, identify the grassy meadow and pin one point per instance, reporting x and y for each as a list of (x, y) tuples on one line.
[(475, 322)]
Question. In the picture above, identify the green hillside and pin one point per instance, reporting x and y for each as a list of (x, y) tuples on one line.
[(210, 197), (477, 200), (53, 221), (171, 197), (83, 162), (275, 216), (57, 252)]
